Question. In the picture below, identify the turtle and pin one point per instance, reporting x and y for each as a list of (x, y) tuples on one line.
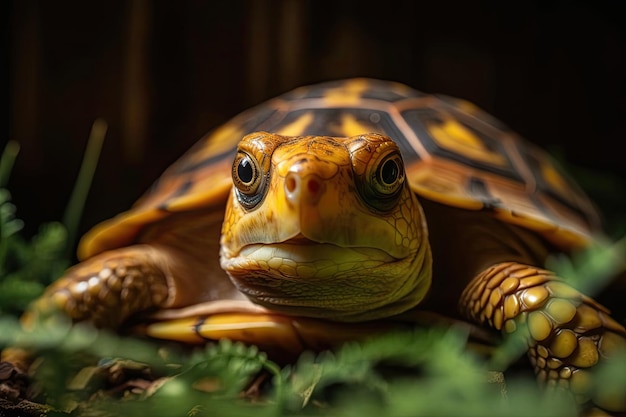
[(335, 209)]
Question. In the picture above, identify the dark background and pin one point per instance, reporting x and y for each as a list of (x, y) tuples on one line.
[(163, 73)]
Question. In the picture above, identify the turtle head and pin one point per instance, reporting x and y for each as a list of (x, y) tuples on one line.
[(325, 227)]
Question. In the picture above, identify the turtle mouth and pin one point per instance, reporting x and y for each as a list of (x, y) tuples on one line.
[(302, 277), (301, 258), (300, 239)]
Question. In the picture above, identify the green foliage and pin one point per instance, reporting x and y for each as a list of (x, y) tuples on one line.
[(421, 372), (590, 270), (26, 267)]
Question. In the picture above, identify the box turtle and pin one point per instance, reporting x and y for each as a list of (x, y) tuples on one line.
[(332, 210)]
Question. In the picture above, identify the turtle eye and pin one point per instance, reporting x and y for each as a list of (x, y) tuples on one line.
[(246, 173), (383, 180), (247, 178), (389, 175), (378, 169)]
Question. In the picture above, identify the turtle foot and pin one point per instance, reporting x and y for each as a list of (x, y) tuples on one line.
[(568, 333), (106, 289)]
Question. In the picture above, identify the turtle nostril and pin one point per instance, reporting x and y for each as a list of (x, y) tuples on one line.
[(314, 186), (300, 190), (291, 184)]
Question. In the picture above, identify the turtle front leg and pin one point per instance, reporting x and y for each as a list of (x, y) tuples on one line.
[(107, 288), (568, 333)]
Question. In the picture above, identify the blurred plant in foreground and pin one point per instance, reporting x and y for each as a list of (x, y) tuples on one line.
[(27, 267)]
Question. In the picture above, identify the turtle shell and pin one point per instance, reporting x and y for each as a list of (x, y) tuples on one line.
[(454, 154)]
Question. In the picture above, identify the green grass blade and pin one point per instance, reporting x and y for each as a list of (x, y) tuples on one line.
[(7, 160), (76, 204), (8, 224)]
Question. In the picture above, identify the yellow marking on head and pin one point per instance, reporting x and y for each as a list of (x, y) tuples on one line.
[(296, 127), (454, 136), (348, 94)]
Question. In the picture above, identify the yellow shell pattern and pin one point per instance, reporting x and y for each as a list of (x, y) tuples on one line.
[(454, 154)]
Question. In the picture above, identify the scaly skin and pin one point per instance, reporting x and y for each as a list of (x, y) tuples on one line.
[(567, 332), (107, 288)]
